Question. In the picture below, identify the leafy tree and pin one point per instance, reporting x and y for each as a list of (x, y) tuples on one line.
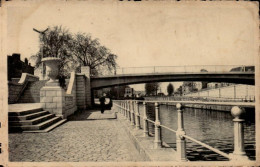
[(170, 89), (152, 88), (89, 52), (179, 90)]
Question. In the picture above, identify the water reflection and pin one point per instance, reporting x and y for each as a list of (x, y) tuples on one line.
[(214, 128)]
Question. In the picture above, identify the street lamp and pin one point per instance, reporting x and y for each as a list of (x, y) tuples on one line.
[(41, 47)]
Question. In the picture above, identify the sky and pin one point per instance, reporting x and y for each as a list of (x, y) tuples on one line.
[(145, 34)]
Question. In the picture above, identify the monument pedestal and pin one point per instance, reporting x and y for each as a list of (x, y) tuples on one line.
[(52, 98)]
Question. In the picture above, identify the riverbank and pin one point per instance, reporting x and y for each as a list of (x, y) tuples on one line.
[(206, 105)]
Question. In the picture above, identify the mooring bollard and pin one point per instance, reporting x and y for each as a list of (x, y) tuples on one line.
[(239, 150), (137, 116), (157, 128), (145, 122), (132, 113), (180, 140)]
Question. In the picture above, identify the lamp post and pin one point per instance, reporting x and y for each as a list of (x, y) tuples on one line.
[(41, 47)]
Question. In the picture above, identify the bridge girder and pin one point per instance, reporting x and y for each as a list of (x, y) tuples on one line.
[(117, 80)]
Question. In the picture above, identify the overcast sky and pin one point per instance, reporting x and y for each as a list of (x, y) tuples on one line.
[(146, 33)]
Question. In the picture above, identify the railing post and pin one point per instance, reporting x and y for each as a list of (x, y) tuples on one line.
[(137, 116), (129, 110), (157, 128), (180, 140), (132, 112), (145, 121), (239, 151), (121, 106), (124, 109)]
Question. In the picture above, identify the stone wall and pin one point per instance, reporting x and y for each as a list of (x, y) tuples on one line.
[(55, 100), (239, 91), (16, 89), (81, 91)]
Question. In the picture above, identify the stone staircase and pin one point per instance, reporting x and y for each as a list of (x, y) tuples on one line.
[(33, 120), (31, 94)]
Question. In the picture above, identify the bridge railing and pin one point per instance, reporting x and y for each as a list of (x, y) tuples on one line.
[(185, 69), (202, 98), (130, 110)]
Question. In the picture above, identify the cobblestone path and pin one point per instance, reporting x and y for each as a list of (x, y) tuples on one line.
[(76, 140)]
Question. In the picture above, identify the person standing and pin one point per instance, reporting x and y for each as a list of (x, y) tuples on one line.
[(102, 101)]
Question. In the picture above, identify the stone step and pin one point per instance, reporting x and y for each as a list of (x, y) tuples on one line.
[(28, 116), (25, 112), (39, 126), (48, 128), (32, 121)]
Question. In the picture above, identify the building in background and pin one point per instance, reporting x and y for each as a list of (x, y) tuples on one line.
[(139, 93), (16, 67), (129, 92), (188, 87), (213, 85)]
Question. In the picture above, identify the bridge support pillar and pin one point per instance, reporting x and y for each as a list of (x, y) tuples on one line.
[(86, 71), (239, 151)]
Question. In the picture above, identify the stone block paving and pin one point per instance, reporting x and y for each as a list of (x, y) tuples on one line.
[(77, 140)]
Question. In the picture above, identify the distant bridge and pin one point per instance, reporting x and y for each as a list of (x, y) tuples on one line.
[(137, 75)]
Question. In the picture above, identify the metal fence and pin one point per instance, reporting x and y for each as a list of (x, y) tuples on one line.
[(185, 69), (130, 110)]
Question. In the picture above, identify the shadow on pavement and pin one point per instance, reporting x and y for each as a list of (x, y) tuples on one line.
[(88, 115)]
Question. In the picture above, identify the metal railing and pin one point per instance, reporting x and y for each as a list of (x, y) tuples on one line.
[(130, 110), (201, 98), (185, 69)]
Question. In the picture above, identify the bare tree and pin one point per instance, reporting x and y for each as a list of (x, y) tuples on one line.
[(89, 52), (74, 51), (55, 43)]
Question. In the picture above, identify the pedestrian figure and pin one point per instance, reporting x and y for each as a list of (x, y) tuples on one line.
[(102, 103)]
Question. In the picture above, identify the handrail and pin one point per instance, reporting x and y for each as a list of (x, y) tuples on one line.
[(207, 146), (190, 138), (185, 69), (236, 112)]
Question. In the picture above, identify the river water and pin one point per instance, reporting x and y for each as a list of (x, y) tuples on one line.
[(214, 128)]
